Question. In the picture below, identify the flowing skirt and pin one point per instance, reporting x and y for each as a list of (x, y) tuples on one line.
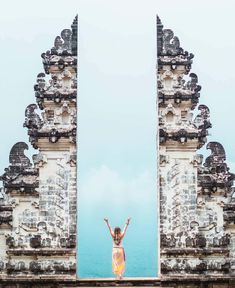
[(118, 263)]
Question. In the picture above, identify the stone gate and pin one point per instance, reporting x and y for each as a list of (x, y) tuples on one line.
[(38, 201)]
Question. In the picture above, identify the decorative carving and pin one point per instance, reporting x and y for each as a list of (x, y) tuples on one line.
[(163, 160), (169, 50), (54, 136), (72, 160), (167, 241), (224, 241), (63, 43), (175, 266), (171, 43), (197, 160), (64, 52), (5, 214), (19, 176), (61, 86), (159, 35), (229, 213), (200, 241), (170, 108), (17, 157), (215, 173), (217, 156), (68, 242), (10, 241), (60, 120), (65, 116), (40, 86), (15, 267), (192, 84), (173, 86), (39, 160), (32, 119), (35, 241), (74, 27), (202, 121), (181, 135), (38, 267)]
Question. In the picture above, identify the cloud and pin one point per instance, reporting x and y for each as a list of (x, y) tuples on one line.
[(105, 184), (106, 192)]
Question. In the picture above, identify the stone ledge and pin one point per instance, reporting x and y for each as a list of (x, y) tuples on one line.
[(164, 281), (65, 281), (194, 251), (42, 252)]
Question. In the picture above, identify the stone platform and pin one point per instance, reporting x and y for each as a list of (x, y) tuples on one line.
[(125, 282), (45, 282), (41, 281)]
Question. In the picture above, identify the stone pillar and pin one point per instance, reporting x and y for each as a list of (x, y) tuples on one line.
[(39, 212), (196, 204)]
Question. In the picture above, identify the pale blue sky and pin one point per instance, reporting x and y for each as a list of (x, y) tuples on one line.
[(117, 89), (117, 54)]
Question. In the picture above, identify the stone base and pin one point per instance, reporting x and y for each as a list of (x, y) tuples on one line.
[(60, 282)]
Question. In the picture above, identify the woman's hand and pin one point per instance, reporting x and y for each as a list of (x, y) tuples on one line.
[(128, 221), (106, 220)]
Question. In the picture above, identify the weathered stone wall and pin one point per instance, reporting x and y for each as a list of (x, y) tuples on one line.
[(38, 201), (196, 203)]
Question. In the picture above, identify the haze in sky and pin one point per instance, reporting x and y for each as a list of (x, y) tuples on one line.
[(117, 116)]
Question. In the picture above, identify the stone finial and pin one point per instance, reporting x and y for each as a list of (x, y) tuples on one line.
[(159, 35), (17, 157), (63, 43), (169, 51), (215, 173), (171, 43), (20, 175), (217, 154), (74, 27), (66, 43), (64, 51)]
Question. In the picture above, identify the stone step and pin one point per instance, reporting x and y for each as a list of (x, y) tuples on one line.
[(125, 282)]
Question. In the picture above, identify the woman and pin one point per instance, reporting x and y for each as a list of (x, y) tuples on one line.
[(118, 254)]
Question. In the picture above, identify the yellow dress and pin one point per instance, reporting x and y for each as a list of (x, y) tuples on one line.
[(118, 259)]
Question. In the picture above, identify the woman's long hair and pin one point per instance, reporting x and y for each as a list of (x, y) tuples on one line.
[(117, 235)]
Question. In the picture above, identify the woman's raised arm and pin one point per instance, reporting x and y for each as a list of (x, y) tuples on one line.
[(110, 229), (127, 223)]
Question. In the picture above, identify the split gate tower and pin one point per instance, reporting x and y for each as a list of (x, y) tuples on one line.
[(38, 206)]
